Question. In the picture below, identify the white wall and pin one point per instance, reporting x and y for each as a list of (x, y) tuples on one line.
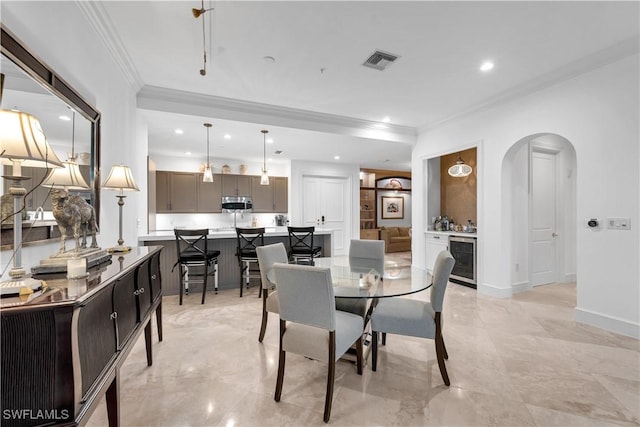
[(59, 34), (598, 113)]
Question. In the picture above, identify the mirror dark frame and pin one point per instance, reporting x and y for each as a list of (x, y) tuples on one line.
[(13, 49)]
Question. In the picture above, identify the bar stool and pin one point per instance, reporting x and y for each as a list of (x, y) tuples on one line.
[(193, 251), (248, 240), (301, 244)]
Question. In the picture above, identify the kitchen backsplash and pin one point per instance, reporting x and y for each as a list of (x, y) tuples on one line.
[(213, 220)]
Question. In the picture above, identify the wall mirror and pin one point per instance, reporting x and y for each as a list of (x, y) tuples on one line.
[(32, 86)]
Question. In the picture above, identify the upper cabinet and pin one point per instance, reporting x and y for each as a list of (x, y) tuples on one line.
[(176, 192), (184, 192), (210, 194), (236, 185)]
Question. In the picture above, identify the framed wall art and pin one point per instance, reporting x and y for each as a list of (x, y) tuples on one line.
[(392, 207)]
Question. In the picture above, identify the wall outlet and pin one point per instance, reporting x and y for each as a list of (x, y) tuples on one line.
[(619, 223)]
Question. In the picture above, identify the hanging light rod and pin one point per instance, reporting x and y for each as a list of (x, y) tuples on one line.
[(196, 14), (208, 173)]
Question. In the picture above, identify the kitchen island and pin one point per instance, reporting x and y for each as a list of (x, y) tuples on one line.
[(223, 240)]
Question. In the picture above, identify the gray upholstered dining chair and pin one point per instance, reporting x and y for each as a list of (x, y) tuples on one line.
[(310, 324), (267, 256), (364, 255), (415, 318)]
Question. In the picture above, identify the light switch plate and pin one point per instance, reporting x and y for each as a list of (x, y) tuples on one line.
[(619, 223)]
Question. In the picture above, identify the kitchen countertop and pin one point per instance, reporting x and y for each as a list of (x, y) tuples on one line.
[(453, 233), (223, 233)]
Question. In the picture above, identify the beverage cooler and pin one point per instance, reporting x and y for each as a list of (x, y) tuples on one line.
[(463, 250)]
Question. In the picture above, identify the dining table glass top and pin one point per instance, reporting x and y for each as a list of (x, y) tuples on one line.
[(356, 279)]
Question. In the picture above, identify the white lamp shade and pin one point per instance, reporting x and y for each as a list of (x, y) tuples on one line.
[(460, 169), (67, 177), (120, 178), (22, 140)]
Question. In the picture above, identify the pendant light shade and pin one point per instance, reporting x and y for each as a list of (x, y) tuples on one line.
[(69, 176), (264, 178), (208, 173), (460, 169)]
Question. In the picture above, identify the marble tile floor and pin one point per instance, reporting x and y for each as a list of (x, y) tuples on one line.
[(512, 362)]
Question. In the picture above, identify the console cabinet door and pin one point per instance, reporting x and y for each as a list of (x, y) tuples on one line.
[(155, 282), (125, 306), (97, 342), (143, 290)]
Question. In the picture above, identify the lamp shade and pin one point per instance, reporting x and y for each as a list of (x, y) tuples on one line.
[(67, 177), (120, 178), (460, 169), (22, 140)]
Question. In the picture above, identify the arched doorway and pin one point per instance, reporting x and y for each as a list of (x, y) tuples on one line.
[(539, 184)]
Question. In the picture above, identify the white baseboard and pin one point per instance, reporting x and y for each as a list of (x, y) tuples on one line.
[(494, 291), (570, 278), (521, 287), (609, 323)]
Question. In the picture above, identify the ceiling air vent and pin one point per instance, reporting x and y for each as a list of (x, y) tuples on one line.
[(379, 60)]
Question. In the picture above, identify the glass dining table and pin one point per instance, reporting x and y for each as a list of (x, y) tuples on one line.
[(353, 278), (359, 279)]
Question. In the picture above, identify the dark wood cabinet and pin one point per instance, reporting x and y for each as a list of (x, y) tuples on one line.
[(63, 349), (262, 195)]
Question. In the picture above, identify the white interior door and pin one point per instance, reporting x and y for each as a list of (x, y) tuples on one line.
[(329, 198), (543, 218)]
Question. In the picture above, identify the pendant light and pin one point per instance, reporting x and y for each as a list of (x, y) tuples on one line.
[(196, 14), (208, 174), (460, 169), (69, 176), (264, 178)]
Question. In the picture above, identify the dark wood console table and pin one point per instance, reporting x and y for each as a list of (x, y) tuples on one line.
[(62, 347)]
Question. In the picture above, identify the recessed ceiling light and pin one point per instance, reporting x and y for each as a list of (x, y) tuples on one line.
[(65, 118), (227, 136), (269, 140), (188, 153), (179, 131), (486, 66), (336, 157), (270, 159), (386, 119)]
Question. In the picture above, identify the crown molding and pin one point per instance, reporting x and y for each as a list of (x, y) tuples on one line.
[(106, 31), (198, 104), (580, 66)]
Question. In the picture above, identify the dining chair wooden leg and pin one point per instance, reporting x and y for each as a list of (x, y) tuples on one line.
[(265, 316), (374, 350), (281, 362), (444, 347), (241, 276), (359, 354), (384, 338), (204, 282), (331, 375), (440, 350)]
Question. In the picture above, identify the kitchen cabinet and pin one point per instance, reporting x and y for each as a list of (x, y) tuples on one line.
[(210, 195), (280, 194), (272, 198), (435, 243), (262, 195), (176, 192), (236, 185)]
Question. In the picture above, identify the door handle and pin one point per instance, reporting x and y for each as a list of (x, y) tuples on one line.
[(554, 234)]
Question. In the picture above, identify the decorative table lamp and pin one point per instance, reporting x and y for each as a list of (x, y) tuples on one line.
[(120, 179), (22, 143)]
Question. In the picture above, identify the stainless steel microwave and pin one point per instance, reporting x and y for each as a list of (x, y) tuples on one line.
[(236, 204)]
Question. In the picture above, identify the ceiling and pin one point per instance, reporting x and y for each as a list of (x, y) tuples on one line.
[(315, 97)]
